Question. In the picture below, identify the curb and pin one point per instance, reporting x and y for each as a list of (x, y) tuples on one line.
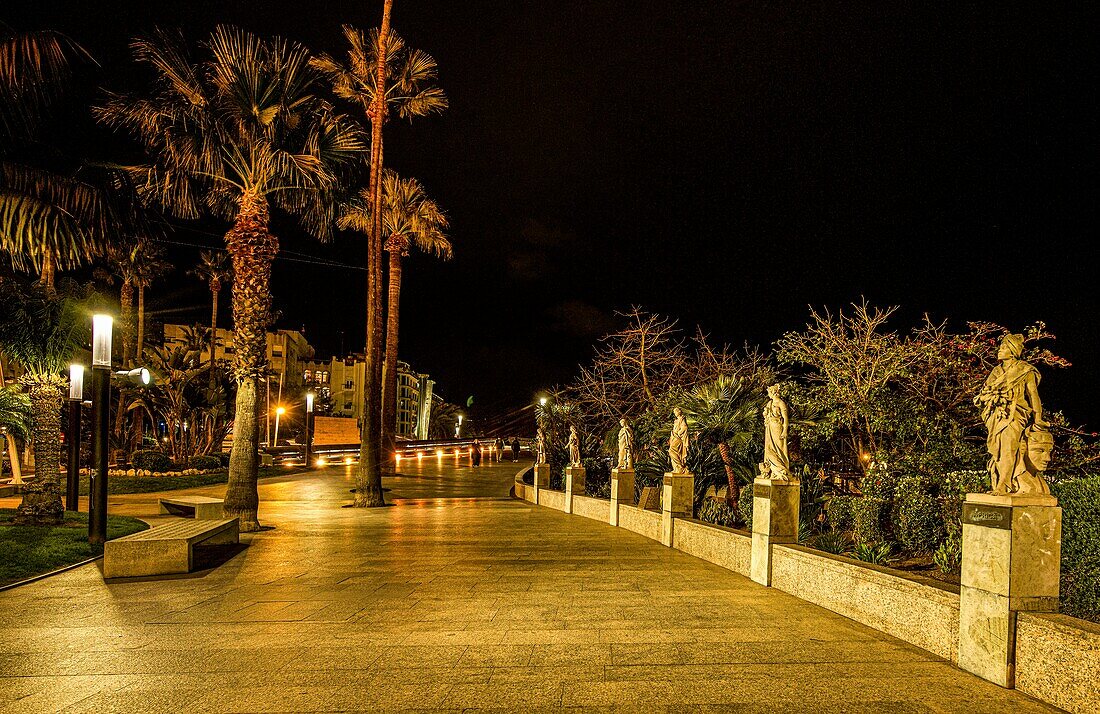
[(43, 576)]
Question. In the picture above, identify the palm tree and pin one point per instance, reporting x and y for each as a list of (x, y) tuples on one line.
[(213, 269), (15, 422), (149, 265), (408, 217), (381, 75), (55, 212), (241, 131), (725, 414), (41, 330)]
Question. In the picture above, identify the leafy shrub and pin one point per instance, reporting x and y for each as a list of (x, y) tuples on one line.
[(151, 460), (956, 485), (1080, 502), (806, 531), (948, 557), (745, 504), (840, 510), (918, 518), (835, 542), (875, 553), (871, 520), (714, 510), (204, 462), (223, 459)]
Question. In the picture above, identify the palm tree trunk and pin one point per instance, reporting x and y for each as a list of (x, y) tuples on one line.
[(139, 354), (13, 458), (389, 389), (368, 481), (46, 427), (733, 494), (126, 336), (48, 276), (213, 334), (252, 248)]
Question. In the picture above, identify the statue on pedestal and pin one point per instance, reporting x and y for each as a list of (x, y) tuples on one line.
[(1013, 416), (574, 445), (626, 445), (776, 426), (540, 447), (678, 442)]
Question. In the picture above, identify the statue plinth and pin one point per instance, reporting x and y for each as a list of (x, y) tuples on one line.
[(574, 484), (677, 501), (622, 491), (541, 478), (775, 504), (1011, 557)]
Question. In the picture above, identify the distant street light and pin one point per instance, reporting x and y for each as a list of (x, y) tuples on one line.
[(542, 401), (309, 426), (458, 426), (279, 411), (76, 397)]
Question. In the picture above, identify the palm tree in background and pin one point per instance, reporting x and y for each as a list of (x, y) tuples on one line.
[(409, 217), (725, 414), (149, 266), (15, 422), (213, 269), (233, 135), (55, 212), (381, 75), (41, 329)]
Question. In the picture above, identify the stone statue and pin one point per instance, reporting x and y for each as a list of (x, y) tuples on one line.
[(626, 445), (1010, 408), (540, 447), (1036, 451), (776, 426), (574, 445), (678, 442)]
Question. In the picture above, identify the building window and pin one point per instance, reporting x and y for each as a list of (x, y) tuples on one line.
[(348, 384)]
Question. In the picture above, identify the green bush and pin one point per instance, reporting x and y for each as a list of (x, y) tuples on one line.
[(151, 460), (714, 510), (871, 520), (1080, 502), (204, 463), (918, 516), (956, 485), (840, 510), (745, 504), (948, 557), (875, 553), (835, 542)]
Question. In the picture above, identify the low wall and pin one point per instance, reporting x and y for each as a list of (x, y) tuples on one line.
[(641, 521), (552, 499), (918, 610), (597, 509), (1058, 660), (715, 544)]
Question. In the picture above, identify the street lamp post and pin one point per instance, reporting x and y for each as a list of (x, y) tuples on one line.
[(279, 411), (76, 398), (458, 426), (102, 326), (309, 427)]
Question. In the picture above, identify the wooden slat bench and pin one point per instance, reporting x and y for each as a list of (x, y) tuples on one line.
[(165, 549), (202, 508)]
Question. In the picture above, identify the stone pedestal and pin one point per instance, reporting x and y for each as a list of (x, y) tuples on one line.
[(774, 521), (677, 501), (574, 484), (541, 478), (622, 491), (1011, 555)]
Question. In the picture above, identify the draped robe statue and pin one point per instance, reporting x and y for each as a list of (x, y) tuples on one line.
[(626, 445), (574, 445), (540, 447), (1013, 416), (678, 442), (776, 427)]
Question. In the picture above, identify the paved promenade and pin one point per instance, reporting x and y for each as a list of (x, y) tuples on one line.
[(455, 598)]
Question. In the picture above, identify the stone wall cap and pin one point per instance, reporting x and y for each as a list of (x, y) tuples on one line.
[(777, 481), (992, 499)]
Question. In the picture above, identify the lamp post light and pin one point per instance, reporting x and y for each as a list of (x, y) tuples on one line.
[(279, 411), (102, 326), (309, 426), (458, 426), (76, 399)]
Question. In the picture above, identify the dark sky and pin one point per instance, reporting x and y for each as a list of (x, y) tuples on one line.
[(726, 163)]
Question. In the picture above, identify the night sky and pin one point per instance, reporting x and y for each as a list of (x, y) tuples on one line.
[(725, 163)]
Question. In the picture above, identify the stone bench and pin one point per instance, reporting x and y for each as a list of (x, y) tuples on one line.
[(165, 549), (201, 508)]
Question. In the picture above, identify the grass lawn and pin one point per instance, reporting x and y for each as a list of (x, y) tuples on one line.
[(26, 551), (148, 484)]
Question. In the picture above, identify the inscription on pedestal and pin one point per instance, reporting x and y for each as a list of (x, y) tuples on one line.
[(988, 516)]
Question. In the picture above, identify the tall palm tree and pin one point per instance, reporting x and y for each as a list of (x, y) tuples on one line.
[(213, 269), (15, 422), (725, 414), (233, 135), (408, 217), (382, 76), (55, 212), (149, 266), (41, 330)]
